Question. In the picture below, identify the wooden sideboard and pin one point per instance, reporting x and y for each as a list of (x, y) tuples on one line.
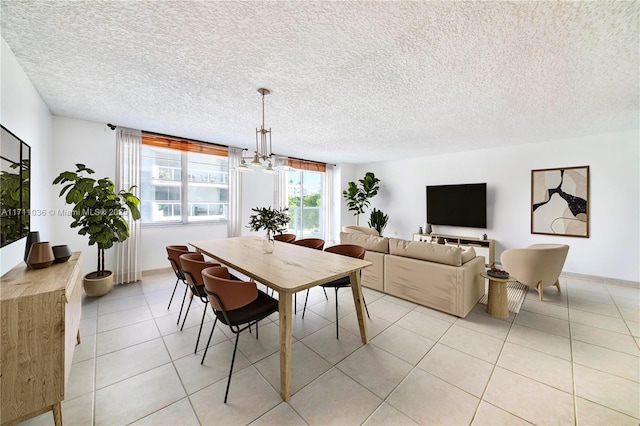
[(40, 313)]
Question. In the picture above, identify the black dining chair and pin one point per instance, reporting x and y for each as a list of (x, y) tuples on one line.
[(285, 238), (238, 304), (314, 243), (173, 254), (192, 265), (350, 250)]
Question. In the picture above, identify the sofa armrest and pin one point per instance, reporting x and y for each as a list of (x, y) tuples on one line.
[(451, 289)]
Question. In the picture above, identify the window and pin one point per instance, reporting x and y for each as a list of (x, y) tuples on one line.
[(182, 182), (305, 192)]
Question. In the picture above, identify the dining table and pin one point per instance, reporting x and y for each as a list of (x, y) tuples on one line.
[(287, 270)]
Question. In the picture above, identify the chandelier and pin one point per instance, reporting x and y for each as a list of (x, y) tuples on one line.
[(263, 159)]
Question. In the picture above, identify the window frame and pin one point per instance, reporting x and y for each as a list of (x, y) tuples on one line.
[(322, 208), (184, 147)]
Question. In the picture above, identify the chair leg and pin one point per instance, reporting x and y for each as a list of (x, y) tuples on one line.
[(204, 313), (209, 341), (337, 320), (233, 359), (256, 330), (295, 303), (174, 292), (182, 307), (305, 302), (325, 293), (365, 306), (187, 313)]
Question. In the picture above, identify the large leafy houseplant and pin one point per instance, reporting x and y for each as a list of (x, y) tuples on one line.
[(14, 199), (378, 220), (98, 210), (358, 195)]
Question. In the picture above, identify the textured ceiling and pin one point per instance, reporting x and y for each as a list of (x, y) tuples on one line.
[(351, 81)]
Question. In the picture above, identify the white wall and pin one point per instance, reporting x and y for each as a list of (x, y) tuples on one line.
[(94, 145), (25, 114), (613, 248)]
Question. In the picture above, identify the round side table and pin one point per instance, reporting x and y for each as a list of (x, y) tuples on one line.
[(497, 305)]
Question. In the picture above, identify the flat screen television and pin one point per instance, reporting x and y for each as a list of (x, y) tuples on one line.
[(458, 205)]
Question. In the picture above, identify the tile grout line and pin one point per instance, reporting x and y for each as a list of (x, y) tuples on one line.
[(493, 369)]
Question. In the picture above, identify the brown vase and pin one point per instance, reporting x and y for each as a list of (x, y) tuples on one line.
[(40, 255)]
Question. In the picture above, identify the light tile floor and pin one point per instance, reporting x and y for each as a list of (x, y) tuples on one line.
[(572, 359)]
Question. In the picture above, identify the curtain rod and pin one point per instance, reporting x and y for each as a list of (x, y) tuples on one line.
[(113, 127), (308, 161), (185, 139)]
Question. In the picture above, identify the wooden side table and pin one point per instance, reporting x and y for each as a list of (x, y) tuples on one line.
[(497, 305)]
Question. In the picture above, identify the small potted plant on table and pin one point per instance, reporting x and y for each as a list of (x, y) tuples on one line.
[(98, 211), (271, 220)]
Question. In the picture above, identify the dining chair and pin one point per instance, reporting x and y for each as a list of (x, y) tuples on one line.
[(350, 250), (238, 304), (192, 265), (314, 243), (285, 238), (173, 254)]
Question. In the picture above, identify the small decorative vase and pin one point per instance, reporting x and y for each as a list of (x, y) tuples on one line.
[(268, 243), (62, 253), (32, 237), (40, 255)]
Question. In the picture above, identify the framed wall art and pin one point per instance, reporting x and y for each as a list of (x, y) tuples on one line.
[(560, 201)]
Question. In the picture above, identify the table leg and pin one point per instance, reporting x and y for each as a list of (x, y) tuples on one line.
[(285, 312), (359, 303), (497, 305)]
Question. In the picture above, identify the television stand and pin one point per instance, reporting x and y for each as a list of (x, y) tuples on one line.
[(486, 248)]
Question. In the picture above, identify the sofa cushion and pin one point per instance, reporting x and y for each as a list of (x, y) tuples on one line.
[(369, 242), (360, 230), (468, 254), (438, 253)]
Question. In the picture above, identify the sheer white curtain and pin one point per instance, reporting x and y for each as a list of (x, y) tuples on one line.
[(235, 193), (328, 206), (280, 191), (128, 142)]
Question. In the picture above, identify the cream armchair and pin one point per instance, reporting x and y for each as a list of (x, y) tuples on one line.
[(537, 266)]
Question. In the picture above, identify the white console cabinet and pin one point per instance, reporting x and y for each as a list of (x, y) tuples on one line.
[(486, 248)]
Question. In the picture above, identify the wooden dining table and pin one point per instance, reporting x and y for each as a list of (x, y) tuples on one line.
[(288, 270)]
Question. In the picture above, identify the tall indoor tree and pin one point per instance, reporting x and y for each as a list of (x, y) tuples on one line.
[(358, 195)]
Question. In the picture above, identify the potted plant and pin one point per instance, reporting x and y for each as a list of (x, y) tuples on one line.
[(14, 203), (358, 196), (98, 212), (378, 220), (271, 220)]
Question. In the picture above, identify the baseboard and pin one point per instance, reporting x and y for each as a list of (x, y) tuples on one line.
[(598, 279), (602, 280), (594, 278), (160, 271)]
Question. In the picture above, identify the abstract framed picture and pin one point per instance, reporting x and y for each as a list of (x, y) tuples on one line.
[(560, 201)]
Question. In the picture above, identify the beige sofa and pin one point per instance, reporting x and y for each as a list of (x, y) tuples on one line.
[(442, 277)]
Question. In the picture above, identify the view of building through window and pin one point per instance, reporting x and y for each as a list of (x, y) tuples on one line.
[(306, 203), (182, 187)]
